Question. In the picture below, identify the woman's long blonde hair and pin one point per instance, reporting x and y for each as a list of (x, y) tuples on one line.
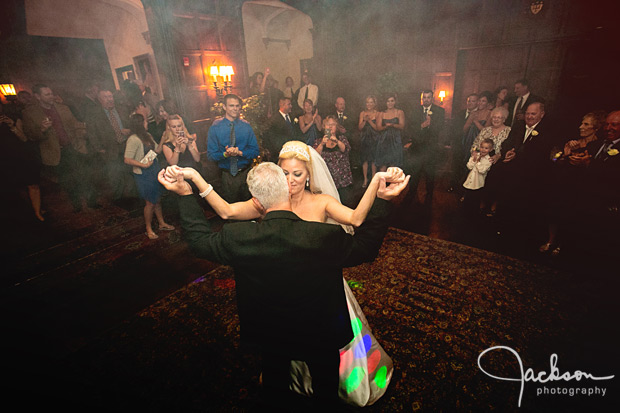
[(168, 136)]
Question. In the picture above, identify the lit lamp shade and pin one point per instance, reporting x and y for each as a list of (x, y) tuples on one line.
[(226, 72), (7, 89), (442, 94), (214, 73)]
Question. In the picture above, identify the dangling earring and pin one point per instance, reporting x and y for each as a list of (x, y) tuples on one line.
[(308, 182)]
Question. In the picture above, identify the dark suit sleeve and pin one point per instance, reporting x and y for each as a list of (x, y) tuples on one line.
[(203, 242), (365, 244)]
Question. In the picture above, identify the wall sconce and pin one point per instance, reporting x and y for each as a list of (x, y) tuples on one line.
[(226, 73), (442, 95), (7, 89)]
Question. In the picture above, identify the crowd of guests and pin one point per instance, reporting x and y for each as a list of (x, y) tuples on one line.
[(505, 155), (103, 146)]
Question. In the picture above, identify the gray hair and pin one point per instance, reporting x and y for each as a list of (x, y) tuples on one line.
[(501, 110), (267, 183)]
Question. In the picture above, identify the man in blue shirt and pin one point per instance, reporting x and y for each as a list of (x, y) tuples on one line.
[(232, 144)]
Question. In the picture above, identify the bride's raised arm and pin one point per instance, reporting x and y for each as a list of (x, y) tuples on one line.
[(239, 210), (347, 216)]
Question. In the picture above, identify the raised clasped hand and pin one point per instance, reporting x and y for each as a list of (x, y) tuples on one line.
[(391, 191), (394, 174), (172, 179)]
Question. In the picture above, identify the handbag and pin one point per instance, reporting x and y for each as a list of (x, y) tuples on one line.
[(365, 367)]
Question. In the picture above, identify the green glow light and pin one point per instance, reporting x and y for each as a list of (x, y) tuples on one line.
[(381, 377), (356, 324), (354, 380)]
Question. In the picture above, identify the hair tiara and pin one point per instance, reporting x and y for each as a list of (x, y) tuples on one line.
[(296, 148)]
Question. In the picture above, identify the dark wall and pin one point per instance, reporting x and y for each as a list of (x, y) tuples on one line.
[(65, 64), (358, 41)]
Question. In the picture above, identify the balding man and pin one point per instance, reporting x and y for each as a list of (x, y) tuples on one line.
[(525, 164)]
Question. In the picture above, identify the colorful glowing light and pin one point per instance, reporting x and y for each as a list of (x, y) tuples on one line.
[(381, 377), (354, 380)]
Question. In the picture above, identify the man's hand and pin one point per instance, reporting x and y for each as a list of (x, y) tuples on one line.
[(510, 155), (46, 124), (174, 181), (393, 190)]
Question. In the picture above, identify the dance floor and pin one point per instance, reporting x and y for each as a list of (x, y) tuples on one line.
[(98, 316)]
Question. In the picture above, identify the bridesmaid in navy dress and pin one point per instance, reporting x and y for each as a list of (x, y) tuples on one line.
[(368, 137), (310, 123), (390, 125)]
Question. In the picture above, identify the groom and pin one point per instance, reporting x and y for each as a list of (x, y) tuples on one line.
[(290, 293)]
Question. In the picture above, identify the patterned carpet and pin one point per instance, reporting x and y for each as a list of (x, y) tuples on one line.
[(433, 305)]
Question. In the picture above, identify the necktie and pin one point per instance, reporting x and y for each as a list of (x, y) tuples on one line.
[(116, 127), (234, 169), (517, 108), (306, 95), (288, 122)]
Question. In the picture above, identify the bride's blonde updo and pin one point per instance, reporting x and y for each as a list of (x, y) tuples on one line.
[(300, 151)]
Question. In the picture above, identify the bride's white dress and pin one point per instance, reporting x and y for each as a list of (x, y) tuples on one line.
[(365, 368)]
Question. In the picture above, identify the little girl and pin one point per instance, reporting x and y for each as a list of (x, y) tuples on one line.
[(479, 165)]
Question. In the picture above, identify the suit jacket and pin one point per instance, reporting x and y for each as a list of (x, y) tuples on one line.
[(290, 293), (427, 139), (602, 175), (101, 135), (278, 133), (456, 128), (530, 99), (349, 123), (49, 144), (532, 160)]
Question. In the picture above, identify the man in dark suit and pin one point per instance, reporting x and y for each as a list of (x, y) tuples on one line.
[(460, 154), (425, 148), (517, 106), (524, 167), (602, 176), (346, 126), (280, 130), (106, 128), (288, 274)]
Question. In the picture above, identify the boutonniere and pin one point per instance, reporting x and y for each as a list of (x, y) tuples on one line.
[(429, 113), (612, 152), (534, 133), (344, 117), (296, 120)]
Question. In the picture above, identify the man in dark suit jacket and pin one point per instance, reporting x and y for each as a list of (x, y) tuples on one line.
[(288, 273), (107, 131), (281, 129), (518, 105), (425, 148), (524, 167), (460, 154), (346, 126), (603, 171)]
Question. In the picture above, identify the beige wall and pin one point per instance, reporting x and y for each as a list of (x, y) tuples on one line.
[(275, 20), (120, 23)]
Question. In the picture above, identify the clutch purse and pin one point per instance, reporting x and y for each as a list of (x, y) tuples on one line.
[(149, 157)]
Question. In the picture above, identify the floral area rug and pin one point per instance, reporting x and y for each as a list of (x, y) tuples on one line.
[(434, 306)]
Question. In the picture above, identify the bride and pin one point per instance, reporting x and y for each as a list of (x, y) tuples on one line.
[(365, 368)]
